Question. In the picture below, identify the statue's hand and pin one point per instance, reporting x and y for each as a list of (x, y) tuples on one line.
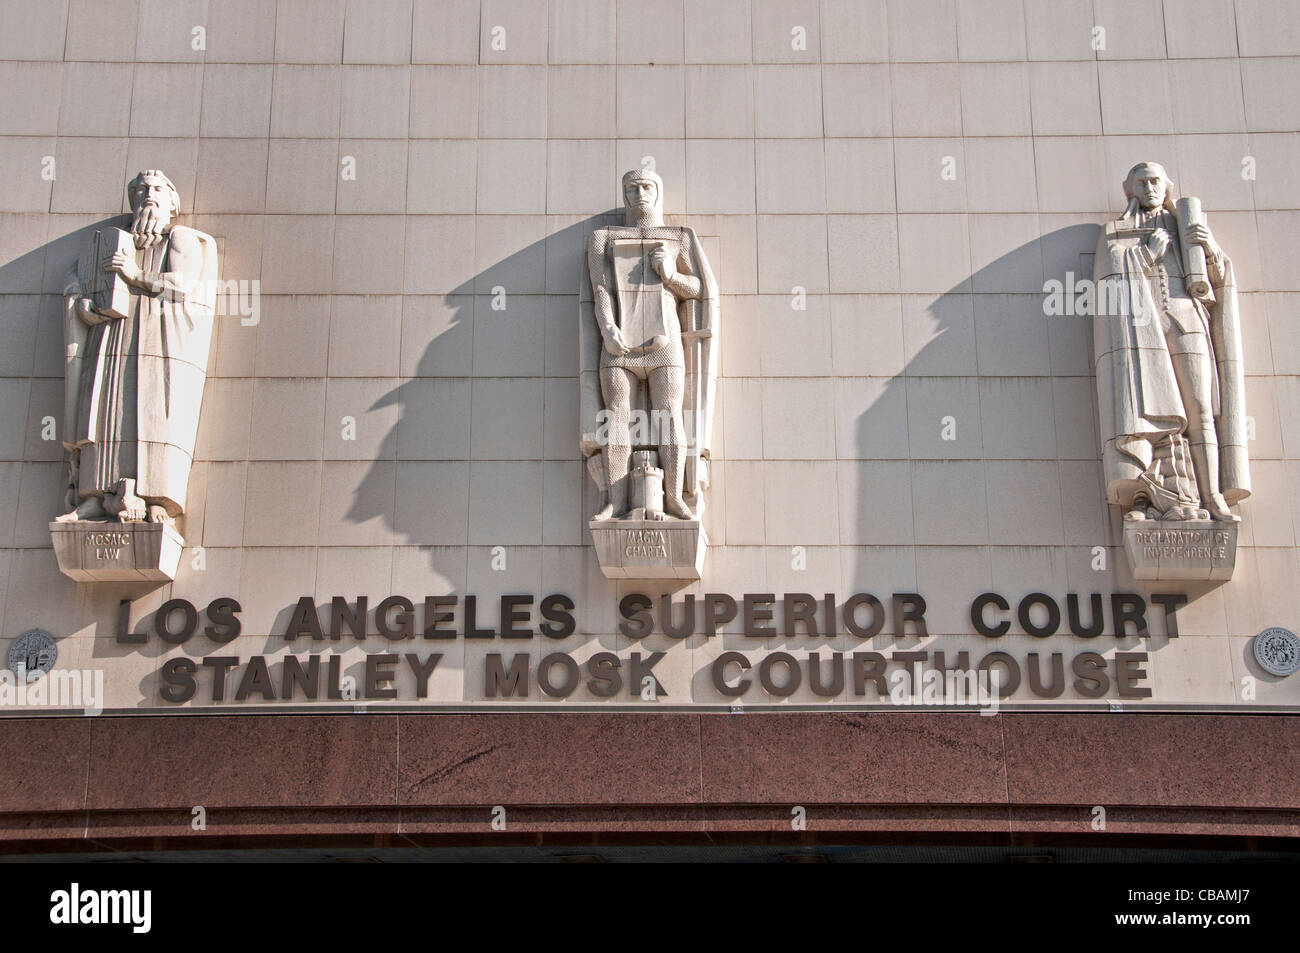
[(124, 264), (614, 342), (1158, 243), (88, 313), (663, 263), (1200, 235)]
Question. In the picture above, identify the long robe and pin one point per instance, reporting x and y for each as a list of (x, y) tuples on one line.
[(1138, 400), (141, 377)]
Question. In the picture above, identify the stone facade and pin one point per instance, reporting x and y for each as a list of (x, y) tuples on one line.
[(884, 189)]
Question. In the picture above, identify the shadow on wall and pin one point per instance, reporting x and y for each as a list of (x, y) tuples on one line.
[(988, 433), (978, 464), (479, 350), (983, 453), (491, 478)]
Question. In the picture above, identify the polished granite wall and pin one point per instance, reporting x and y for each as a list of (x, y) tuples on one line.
[(401, 780)]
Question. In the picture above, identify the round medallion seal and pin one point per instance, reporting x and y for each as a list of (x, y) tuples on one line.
[(1277, 651), (32, 654)]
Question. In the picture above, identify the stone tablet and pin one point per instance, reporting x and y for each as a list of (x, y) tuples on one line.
[(107, 291)]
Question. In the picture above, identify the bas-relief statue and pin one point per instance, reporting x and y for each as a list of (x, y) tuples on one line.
[(648, 365), (137, 330), (1170, 382)]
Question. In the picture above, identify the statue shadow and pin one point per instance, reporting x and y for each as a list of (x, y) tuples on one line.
[(508, 335), (990, 437)]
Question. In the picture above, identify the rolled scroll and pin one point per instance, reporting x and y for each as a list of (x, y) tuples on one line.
[(1188, 211)]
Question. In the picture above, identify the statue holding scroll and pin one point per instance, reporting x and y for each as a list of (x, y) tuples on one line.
[(648, 365), (1167, 339), (137, 329)]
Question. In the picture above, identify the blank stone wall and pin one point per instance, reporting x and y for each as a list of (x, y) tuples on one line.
[(816, 173)]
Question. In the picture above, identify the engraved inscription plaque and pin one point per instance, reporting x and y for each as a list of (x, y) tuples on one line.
[(1203, 549)]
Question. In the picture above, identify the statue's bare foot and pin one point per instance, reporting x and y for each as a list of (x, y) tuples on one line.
[(677, 508), (1218, 508), (1136, 515), (91, 508), (158, 514), (127, 507), (655, 515), (134, 509)]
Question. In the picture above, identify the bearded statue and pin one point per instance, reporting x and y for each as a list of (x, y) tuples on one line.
[(137, 330)]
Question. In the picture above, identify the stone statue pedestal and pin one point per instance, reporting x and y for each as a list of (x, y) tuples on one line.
[(117, 552), (1199, 549), (649, 549)]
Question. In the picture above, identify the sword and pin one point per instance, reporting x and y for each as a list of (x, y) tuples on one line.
[(698, 341)]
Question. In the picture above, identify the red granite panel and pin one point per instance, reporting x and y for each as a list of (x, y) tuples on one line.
[(43, 763), (549, 759), (645, 778), (1185, 760), (802, 758), (242, 761)]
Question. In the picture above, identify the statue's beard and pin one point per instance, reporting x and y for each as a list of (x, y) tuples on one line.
[(643, 215), (149, 224)]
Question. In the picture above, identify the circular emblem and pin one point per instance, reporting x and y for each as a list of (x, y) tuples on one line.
[(1277, 651), (33, 654)]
